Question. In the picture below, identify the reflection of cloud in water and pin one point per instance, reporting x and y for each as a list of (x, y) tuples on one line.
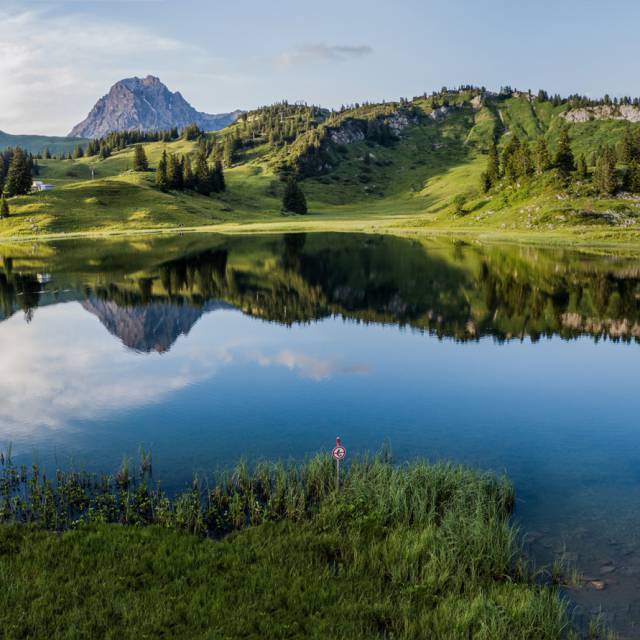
[(64, 367), (309, 367)]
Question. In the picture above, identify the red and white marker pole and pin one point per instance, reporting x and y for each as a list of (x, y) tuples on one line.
[(338, 453)]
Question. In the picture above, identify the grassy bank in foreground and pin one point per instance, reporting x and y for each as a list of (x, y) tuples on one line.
[(417, 551)]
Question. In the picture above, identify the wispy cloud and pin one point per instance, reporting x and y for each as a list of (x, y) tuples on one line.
[(321, 52), (53, 67)]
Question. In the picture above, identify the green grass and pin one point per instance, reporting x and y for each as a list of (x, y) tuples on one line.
[(416, 551), (405, 188)]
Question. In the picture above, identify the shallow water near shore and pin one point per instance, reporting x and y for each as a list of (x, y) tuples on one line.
[(207, 349)]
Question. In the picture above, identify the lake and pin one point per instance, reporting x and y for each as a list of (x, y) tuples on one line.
[(207, 349)]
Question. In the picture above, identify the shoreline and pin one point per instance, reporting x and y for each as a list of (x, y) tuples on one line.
[(569, 240)]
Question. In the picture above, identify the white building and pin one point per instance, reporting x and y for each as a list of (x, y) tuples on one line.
[(38, 185)]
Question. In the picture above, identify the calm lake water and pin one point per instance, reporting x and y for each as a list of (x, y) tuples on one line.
[(208, 349)]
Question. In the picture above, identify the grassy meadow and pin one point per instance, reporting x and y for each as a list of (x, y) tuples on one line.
[(407, 187), (412, 551)]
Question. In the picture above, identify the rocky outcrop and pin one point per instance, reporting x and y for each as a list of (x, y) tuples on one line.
[(603, 112), (477, 102), (353, 131), (350, 132), (145, 104), (439, 113), (399, 121)]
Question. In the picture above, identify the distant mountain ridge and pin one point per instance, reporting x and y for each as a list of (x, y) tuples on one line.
[(145, 104), (37, 144)]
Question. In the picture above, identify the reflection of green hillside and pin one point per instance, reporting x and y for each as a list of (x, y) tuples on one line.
[(450, 289)]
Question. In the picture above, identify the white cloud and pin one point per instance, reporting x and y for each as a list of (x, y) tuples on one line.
[(53, 68), (320, 52), (317, 369)]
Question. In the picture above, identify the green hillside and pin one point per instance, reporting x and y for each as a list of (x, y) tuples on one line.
[(413, 166)]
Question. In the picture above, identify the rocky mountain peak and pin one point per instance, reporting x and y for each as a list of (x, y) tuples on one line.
[(145, 104)]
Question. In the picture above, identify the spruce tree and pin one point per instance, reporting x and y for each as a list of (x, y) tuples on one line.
[(542, 157), (628, 149), (485, 182), (162, 181), (493, 165), (140, 162), (581, 168), (564, 157), (19, 177), (227, 154), (510, 159), (294, 199), (523, 161), (78, 152), (632, 177), (4, 207), (604, 175), (187, 172), (175, 175), (202, 176), (218, 181)]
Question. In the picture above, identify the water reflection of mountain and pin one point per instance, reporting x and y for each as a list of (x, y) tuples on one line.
[(448, 289), (148, 327)]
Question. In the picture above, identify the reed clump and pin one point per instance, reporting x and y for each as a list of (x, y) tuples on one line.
[(399, 551)]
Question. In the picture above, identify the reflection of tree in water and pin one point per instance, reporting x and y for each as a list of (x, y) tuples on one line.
[(566, 304), (456, 291), (18, 291)]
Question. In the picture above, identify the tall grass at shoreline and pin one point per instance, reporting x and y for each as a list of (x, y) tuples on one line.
[(411, 551)]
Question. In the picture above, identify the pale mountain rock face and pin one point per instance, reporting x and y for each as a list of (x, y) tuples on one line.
[(603, 112), (145, 104)]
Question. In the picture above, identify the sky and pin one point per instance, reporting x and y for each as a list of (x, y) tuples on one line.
[(58, 57)]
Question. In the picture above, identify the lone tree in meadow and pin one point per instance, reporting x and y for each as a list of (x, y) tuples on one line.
[(140, 162), (19, 177), (162, 180), (4, 207), (458, 205), (294, 199)]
